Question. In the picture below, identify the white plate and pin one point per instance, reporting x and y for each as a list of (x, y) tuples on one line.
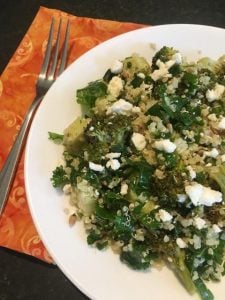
[(101, 275)]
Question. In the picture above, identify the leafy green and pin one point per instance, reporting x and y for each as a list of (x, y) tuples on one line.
[(138, 258), (88, 95), (59, 177), (55, 136)]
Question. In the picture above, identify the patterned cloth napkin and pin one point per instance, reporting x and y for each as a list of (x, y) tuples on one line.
[(17, 90)]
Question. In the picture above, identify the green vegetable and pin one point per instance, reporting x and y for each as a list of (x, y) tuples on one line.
[(132, 195), (164, 54), (138, 258), (203, 291), (59, 177), (55, 136), (88, 95)]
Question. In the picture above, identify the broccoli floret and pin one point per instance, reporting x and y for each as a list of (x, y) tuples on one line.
[(88, 95), (108, 135), (164, 54)]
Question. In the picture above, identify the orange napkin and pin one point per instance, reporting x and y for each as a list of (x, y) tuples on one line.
[(17, 90)]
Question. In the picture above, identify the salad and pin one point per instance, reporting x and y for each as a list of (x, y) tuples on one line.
[(145, 165)]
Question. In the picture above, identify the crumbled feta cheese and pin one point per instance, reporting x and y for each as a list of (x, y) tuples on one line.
[(115, 86), (116, 67), (192, 173), (222, 157), (216, 228), (91, 128), (195, 276), (138, 140), (163, 71), (173, 85), (124, 189), (164, 215), (212, 117), (165, 145), (181, 197), (113, 155), (199, 223), (177, 57), (216, 93), (141, 75), (139, 235), (201, 195), (213, 153), (114, 164), (166, 239), (181, 243), (122, 107), (67, 189), (221, 124), (96, 167), (196, 241)]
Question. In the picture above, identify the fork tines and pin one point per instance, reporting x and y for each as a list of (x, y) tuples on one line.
[(58, 63)]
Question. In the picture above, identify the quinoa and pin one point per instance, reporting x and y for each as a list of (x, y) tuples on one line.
[(157, 129)]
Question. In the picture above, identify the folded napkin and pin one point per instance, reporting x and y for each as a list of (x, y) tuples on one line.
[(17, 90)]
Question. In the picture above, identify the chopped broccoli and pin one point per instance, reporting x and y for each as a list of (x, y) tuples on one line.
[(164, 54), (88, 95)]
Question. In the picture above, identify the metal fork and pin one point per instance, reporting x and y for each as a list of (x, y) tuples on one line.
[(52, 67)]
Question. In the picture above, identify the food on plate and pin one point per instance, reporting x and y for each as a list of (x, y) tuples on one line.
[(145, 166)]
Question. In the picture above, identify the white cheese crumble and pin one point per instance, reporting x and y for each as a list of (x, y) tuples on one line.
[(177, 57), (222, 157), (201, 195), (213, 153), (216, 93), (166, 239), (163, 71), (112, 155), (138, 140), (124, 189), (96, 167), (114, 164), (67, 189), (116, 67), (221, 124), (181, 243), (141, 75), (199, 223), (192, 173), (181, 197), (216, 228), (122, 107), (115, 86), (197, 241), (165, 145), (165, 216)]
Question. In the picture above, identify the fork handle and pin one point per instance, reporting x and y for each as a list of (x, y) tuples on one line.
[(8, 171)]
